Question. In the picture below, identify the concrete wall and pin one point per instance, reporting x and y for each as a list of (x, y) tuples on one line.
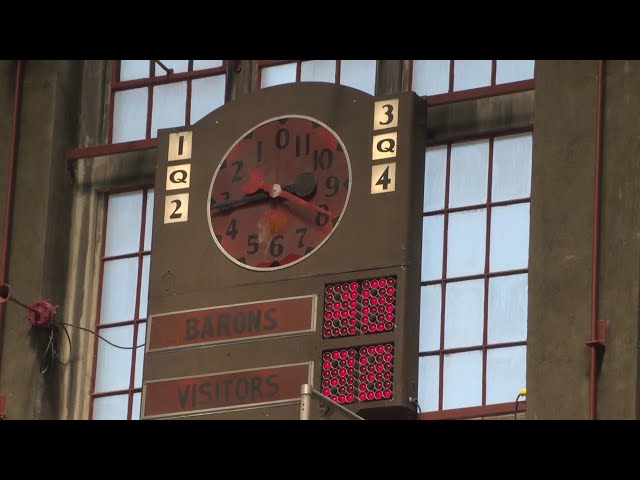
[(40, 238), (560, 261)]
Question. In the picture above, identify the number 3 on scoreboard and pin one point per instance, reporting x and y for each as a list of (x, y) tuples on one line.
[(383, 178)]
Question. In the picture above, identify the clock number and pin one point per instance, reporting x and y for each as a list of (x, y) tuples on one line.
[(253, 243), (236, 176), (321, 218), (384, 179), (259, 153), (322, 160), (307, 145), (232, 230), (275, 248), (282, 138), (333, 184), (302, 232), (175, 213)]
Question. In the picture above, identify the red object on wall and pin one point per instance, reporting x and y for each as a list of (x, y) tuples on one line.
[(3, 407)]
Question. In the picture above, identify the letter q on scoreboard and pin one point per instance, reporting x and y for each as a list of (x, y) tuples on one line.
[(176, 207)]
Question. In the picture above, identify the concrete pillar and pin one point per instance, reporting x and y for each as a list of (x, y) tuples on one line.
[(40, 231)]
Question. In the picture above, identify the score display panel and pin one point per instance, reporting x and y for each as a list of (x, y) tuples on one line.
[(287, 233)]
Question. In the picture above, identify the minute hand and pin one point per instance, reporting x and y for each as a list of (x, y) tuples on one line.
[(256, 197)]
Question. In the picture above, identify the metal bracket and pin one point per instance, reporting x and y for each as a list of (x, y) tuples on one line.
[(601, 341)]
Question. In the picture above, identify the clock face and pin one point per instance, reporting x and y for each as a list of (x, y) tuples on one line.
[(279, 193)]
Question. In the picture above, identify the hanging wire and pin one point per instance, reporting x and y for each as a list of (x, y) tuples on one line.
[(99, 336)]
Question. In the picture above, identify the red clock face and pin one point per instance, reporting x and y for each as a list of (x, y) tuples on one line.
[(279, 193)]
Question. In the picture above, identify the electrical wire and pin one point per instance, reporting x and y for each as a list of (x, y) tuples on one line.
[(52, 350), (100, 336), (515, 413)]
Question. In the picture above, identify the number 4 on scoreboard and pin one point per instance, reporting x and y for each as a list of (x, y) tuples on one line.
[(383, 178)]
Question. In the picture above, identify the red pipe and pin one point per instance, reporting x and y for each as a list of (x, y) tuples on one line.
[(595, 247), (17, 96)]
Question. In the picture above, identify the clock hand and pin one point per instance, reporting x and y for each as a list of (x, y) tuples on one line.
[(303, 185), (256, 182)]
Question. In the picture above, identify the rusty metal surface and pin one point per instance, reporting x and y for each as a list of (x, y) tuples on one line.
[(240, 322)]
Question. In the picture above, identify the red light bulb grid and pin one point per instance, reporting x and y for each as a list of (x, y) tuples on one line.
[(360, 374), (359, 307)]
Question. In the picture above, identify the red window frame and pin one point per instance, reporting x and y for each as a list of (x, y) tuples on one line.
[(474, 93), (136, 321), (271, 63), (484, 409), (148, 142)]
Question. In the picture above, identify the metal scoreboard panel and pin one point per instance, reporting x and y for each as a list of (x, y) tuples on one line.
[(214, 317)]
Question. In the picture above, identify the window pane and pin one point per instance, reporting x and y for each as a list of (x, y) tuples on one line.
[(124, 218), (133, 69), (471, 74), (432, 237), (130, 115), (207, 94), (463, 314), (148, 223), (469, 173), (277, 75), (113, 368), (511, 167), (509, 237), (430, 77), (507, 309), (169, 103), (142, 335), (462, 380), (430, 309), (177, 65), (428, 383), (135, 407), (204, 64), (466, 243), (113, 407), (360, 74), (318, 71), (506, 373), (514, 70), (118, 290), (144, 287), (434, 178)]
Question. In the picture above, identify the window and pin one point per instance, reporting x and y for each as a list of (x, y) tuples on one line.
[(451, 80), (360, 74), (473, 315), (147, 95), (122, 306)]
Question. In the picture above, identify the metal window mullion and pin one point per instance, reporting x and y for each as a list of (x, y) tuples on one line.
[(443, 284), (485, 314)]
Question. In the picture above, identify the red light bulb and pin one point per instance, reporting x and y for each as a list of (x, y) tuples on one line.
[(353, 296), (379, 367), (388, 366), (389, 308), (353, 286), (326, 365), (328, 316), (378, 395), (334, 382), (326, 392), (363, 369), (366, 294), (329, 289), (386, 393), (386, 384), (350, 389), (388, 326), (343, 322), (371, 377), (342, 390), (334, 398), (371, 350), (363, 360), (374, 300), (371, 368), (336, 306), (363, 351), (390, 281), (363, 387), (378, 376), (365, 320), (327, 333), (342, 372), (363, 378), (388, 347), (335, 355), (352, 330), (341, 399), (365, 311), (391, 291), (362, 397), (335, 332), (351, 353), (386, 375), (326, 383), (370, 396), (365, 302), (382, 300), (389, 317), (388, 357), (350, 398), (380, 327), (326, 374), (374, 283), (352, 321), (382, 282), (366, 284), (326, 356), (353, 304), (328, 324), (336, 314), (379, 386)]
